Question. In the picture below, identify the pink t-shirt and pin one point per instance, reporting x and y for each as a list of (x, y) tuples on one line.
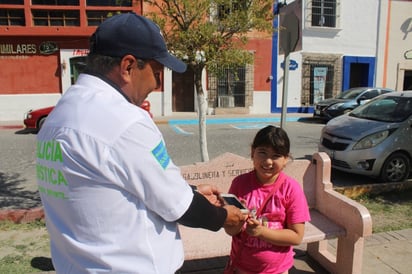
[(287, 205)]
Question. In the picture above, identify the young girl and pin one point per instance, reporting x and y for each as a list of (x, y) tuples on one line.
[(277, 205)]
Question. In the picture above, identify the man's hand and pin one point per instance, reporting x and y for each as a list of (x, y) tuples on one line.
[(234, 218), (211, 193)]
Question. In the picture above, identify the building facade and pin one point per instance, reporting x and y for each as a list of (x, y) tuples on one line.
[(394, 54), (42, 43), (341, 44), (344, 44)]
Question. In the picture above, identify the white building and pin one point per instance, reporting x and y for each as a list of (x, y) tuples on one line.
[(344, 44)]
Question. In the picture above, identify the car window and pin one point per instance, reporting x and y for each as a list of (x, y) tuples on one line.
[(369, 94), (386, 109), (383, 91), (350, 94)]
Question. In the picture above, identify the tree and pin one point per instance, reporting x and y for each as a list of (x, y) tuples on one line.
[(210, 34)]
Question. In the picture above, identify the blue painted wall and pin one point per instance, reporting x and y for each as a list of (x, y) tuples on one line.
[(348, 60)]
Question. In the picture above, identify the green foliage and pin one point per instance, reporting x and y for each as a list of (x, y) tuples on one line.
[(389, 210), (8, 225), (23, 246), (211, 33)]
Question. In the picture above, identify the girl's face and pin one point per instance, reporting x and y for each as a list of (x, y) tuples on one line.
[(268, 164)]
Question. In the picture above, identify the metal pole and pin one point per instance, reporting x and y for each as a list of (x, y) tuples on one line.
[(285, 86)]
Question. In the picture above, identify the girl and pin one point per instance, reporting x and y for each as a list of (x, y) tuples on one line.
[(277, 205)]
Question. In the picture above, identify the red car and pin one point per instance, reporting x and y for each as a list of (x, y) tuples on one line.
[(34, 119)]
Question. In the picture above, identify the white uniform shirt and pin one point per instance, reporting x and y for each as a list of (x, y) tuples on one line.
[(109, 189)]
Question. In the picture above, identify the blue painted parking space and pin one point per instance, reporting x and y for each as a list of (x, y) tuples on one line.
[(214, 121), (250, 126), (179, 130), (241, 123)]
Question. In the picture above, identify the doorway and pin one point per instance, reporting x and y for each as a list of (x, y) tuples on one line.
[(77, 65), (358, 71), (183, 91), (358, 75), (407, 80)]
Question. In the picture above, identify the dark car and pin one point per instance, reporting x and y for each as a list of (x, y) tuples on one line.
[(346, 101), (34, 119)]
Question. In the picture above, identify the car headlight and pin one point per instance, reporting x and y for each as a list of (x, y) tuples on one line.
[(335, 106), (371, 140)]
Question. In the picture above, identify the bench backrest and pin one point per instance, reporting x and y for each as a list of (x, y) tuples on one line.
[(223, 169), (304, 171)]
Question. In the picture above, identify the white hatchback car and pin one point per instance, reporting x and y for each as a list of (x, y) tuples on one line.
[(374, 139)]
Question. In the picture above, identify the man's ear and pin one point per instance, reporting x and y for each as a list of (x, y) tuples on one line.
[(126, 64)]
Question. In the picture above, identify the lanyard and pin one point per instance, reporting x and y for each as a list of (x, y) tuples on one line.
[(278, 183)]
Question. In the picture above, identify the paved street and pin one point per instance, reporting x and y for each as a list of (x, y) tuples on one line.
[(183, 140), (18, 188)]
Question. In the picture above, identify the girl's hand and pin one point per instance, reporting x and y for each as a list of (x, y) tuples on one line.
[(253, 227)]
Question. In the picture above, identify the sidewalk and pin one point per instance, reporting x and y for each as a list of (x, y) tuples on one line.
[(387, 252)]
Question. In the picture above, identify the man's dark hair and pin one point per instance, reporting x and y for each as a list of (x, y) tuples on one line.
[(101, 64)]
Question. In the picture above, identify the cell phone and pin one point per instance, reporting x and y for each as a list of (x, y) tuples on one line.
[(231, 199)]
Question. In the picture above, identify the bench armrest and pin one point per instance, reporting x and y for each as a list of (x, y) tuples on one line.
[(351, 215)]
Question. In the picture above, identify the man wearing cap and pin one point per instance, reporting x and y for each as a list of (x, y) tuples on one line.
[(111, 194)]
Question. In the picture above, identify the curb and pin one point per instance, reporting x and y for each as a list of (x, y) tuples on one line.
[(19, 216), (11, 127), (358, 190)]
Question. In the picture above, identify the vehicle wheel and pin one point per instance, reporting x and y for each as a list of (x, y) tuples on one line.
[(41, 122), (396, 168)]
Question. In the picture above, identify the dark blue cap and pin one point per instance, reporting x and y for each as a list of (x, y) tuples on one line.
[(129, 33)]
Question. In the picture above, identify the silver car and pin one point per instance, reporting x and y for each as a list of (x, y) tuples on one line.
[(375, 139)]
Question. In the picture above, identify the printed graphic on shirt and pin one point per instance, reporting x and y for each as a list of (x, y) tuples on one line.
[(48, 169), (160, 154)]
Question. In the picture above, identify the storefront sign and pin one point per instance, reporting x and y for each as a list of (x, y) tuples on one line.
[(80, 52), (319, 81), (18, 49), (48, 47), (45, 48)]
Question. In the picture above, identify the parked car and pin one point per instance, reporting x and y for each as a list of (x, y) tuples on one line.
[(346, 101), (375, 139), (34, 119)]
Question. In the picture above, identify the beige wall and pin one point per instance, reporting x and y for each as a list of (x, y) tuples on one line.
[(394, 39)]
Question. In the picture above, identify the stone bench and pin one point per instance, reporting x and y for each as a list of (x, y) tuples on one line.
[(333, 215)]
